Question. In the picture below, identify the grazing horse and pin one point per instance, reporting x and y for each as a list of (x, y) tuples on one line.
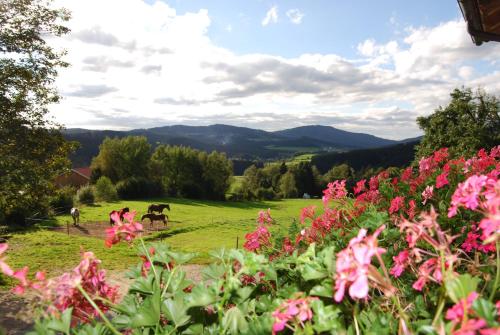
[(158, 208), (155, 217), (120, 213), (75, 214)]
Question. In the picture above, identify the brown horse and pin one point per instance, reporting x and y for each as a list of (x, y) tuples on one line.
[(158, 208), (120, 213), (155, 217)]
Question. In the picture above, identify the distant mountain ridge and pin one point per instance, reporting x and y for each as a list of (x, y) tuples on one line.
[(236, 142)]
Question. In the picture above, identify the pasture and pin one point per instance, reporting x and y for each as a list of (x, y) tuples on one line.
[(194, 226)]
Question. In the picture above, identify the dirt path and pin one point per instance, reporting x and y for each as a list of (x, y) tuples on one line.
[(17, 313), (98, 229)]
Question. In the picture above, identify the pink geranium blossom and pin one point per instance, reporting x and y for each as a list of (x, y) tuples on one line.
[(335, 190), (460, 309), (427, 194), (4, 267), (352, 265), (259, 238), (468, 193), (292, 310), (396, 204), (360, 186), (442, 180), (400, 263), (307, 213), (126, 231), (265, 217)]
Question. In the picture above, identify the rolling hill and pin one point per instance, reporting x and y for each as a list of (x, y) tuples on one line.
[(236, 142)]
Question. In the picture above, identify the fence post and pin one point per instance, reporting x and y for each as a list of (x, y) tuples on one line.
[(67, 227), (237, 240)]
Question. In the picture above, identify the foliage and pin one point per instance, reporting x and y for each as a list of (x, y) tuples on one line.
[(138, 187), (33, 150), (85, 195), (122, 158), (414, 253), (62, 200), (105, 190), (191, 173), (470, 121), (287, 186)]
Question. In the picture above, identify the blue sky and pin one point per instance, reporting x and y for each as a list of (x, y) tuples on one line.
[(328, 26), (363, 66)]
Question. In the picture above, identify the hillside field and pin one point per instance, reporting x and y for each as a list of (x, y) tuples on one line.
[(194, 226)]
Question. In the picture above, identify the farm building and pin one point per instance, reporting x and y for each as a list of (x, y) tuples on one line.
[(76, 177)]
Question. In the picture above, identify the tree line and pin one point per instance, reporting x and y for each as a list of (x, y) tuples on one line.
[(138, 171)]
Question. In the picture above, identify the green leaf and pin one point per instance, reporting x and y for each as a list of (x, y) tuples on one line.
[(234, 321), (143, 285), (148, 313), (176, 312), (324, 290), (261, 325), (326, 317), (486, 310), (214, 271), (181, 257), (201, 296), (312, 271), (63, 324), (461, 286)]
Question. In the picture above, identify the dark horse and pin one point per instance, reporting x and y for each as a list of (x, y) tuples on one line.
[(120, 213), (158, 208), (155, 217)]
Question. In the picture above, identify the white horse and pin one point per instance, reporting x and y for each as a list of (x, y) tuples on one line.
[(75, 214)]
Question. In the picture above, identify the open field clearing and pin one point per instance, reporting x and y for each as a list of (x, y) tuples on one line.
[(194, 226)]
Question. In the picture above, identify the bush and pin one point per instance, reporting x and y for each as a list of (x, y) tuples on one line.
[(134, 188), (105, 190), (62, 201), (85, 195)]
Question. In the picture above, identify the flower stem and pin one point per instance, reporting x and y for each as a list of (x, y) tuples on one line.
[(149, 259), (497, 277), (104, 318)]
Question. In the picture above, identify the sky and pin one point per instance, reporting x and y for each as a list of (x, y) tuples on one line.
[(362, 66)]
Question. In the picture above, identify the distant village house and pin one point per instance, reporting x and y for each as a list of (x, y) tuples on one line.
[(76, 177)]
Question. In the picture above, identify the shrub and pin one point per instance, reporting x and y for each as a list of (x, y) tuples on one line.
[(105, 190), (85, 195), (135, 188), (62, 200)]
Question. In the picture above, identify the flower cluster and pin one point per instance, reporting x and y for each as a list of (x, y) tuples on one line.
[(66, 291), (126, 231), (353, 265), (335, 190), (261, 237), (292, 311)]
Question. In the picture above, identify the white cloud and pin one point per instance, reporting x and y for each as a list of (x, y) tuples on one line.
[(151, 66), (295, 16), (271, 16)]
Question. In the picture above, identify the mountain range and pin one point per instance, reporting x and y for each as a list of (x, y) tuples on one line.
[(236, 142)]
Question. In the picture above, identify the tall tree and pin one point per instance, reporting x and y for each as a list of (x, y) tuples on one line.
[(32, 148), (470, 121), (122, 158)]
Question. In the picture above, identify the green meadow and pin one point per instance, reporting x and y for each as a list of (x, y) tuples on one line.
[(194, 226)]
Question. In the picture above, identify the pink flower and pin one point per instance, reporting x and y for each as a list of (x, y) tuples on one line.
[(427, 194), (265, 217), (307, 213), (400, 263), (467, 194), (360, 186), (352, 265), (396, 204), (122, 231), (474, 241), (373, 184), (441, 180), (412, 205), (335, 190), (63, 292), (260, 237), (292, 310), (425, 165), (456, 312), (407, 173), (4, 267)]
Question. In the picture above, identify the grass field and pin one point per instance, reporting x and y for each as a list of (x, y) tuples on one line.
[(194, 226)]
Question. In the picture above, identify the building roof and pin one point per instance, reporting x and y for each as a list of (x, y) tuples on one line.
[(483, 19), (83, 171)]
